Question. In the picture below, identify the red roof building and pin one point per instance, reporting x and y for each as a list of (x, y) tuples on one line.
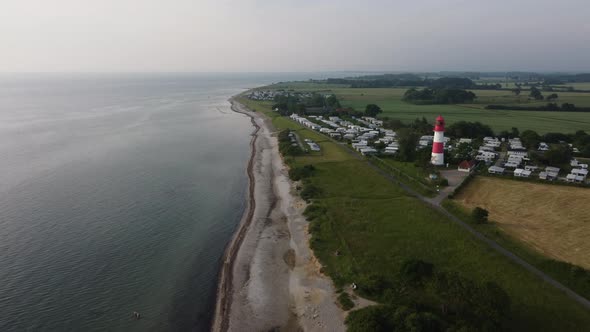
[(466, 166)]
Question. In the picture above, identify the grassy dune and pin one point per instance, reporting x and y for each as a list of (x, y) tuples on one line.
[(375, 226)]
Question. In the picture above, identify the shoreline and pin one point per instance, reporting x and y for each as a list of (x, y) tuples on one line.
[(269, 277), (224, 286)]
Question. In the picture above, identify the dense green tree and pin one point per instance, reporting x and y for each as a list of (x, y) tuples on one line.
[(469, 129), (372, 110), (462, 152), (422, 126), (567, 107), (581, 140), (298, 173), (316, 100), (452, 83), (423, 322), (393, 123), (373, 318), (535, 93), (422, 158), (372, 284), (407, 140), (516, 91), (483, 305), (504, 134), (555, 138), (558, 154), (332, 101), (416, 270), (530, 139), (552, 96), (310, 191), (479, 215), (438, 96), (453, 96)]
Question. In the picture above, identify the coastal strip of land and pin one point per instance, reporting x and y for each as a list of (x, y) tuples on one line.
[(270, 278)]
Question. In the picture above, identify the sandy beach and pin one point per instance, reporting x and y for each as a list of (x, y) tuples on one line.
[(270, 279)]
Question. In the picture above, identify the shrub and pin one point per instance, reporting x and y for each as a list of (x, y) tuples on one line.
[(310, 191), (345, 301), (314, 211), (415, 270), (372, 285), (423, 321), (479, 215), (288, 149), (482, 305), (298, 173), (372, 319)]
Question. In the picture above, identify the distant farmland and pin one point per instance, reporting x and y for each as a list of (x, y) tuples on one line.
[(390, 100), (552, 219)]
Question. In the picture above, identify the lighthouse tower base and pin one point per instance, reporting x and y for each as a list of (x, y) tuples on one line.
[(437, 159)]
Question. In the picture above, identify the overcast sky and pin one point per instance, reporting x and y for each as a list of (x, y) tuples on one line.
[(293, 35)]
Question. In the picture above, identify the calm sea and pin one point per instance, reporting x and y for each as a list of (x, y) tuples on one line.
[(118, 193)]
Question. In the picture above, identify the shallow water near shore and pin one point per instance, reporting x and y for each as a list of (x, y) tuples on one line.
[(118, 193)]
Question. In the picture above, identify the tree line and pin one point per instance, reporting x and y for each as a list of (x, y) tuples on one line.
[(549, 107), (289, 104), (424, 299), (406, 80), (438, 96)]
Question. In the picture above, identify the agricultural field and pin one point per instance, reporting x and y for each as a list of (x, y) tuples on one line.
[(579, 86), (375, 226), (390, 100), (552, 219)]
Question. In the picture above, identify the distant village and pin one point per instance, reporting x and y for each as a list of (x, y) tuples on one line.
[(271, 95), (366, 135)]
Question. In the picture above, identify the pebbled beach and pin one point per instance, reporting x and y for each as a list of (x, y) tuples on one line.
[(270, 279)]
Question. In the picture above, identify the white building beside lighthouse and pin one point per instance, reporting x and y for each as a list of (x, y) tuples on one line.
[(438, 144)]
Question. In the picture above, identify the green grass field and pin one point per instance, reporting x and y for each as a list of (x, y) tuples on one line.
[(390, 100), (376, 226)]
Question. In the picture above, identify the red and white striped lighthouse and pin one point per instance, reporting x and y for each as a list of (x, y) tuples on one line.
[(438, 144)]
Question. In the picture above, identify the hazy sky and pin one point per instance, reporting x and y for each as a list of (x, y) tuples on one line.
[(293, 35)]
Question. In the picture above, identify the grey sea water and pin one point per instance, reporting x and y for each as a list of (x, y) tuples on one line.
[(118, 193)]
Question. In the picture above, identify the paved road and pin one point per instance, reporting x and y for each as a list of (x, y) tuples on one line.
[(435, 203), (501, 159)]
